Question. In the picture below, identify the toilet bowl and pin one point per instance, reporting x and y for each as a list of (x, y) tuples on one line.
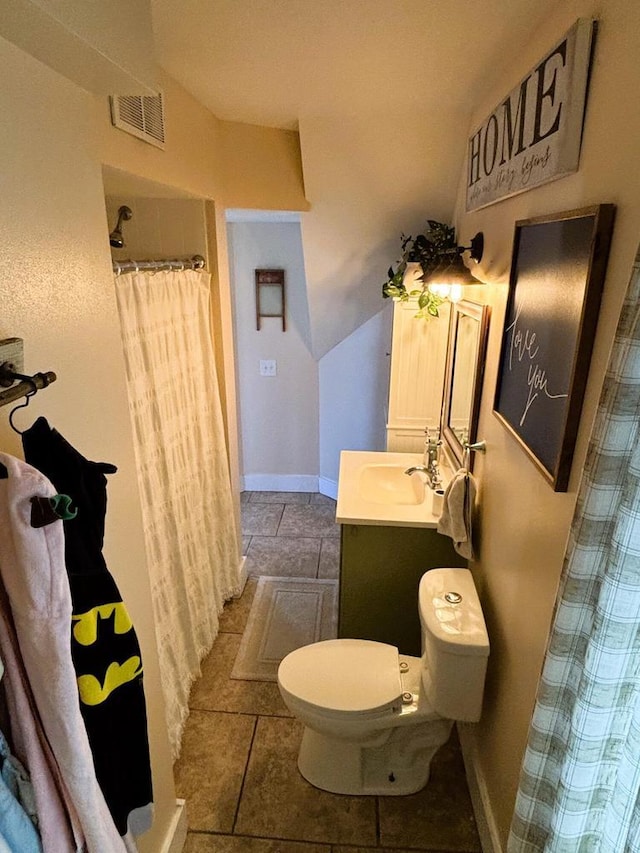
[(374, 718)]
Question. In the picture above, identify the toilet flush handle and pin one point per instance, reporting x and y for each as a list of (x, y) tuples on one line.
[(452, 597)]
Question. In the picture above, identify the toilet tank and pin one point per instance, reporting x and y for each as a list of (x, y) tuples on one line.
[(455, 645)]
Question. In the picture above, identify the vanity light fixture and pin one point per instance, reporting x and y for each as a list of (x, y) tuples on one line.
[(476, 249), (432, 269), (451, 274), (452, 257)]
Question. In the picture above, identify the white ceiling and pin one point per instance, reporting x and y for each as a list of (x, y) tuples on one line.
[(271, 62)]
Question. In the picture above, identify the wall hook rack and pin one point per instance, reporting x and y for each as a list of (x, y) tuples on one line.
[(25, 386)]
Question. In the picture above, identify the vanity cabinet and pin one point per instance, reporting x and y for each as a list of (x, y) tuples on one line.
[(380, 570)]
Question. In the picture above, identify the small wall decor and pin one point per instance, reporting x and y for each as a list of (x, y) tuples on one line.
[(557, 273), (270, 298), (533, 136)]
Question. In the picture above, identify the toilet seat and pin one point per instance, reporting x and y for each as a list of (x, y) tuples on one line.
[(343, 677)]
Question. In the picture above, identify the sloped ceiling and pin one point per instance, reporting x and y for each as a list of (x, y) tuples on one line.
[(380, 91)]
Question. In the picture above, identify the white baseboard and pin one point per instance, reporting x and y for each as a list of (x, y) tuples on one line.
[(279, 483), (485, 820), (328, 487), (177, 834), (289, 483)]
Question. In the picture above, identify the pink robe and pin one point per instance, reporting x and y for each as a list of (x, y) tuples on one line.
[(33, 572), (58, 824)]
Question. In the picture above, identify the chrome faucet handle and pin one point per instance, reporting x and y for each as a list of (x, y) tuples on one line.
[(431, 452), (432, 441)]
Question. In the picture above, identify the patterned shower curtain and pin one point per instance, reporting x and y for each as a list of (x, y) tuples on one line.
[(183, 473), (580, 780)]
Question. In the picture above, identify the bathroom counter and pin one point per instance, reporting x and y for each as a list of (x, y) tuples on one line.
[(389, 539), (373, 489)]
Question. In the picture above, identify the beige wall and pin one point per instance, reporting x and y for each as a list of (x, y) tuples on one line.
[(159, 227), (223, 339), (524, 524), (369, 178), (237, 164), (56, 292), (192, 157), (103, 47), (263, 167)]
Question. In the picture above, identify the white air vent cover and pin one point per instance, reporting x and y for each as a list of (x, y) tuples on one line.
[(140, 115)]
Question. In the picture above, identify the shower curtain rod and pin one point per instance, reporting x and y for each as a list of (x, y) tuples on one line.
[(197, 262)]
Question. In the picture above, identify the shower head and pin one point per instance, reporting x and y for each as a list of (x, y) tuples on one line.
[(115, 238)]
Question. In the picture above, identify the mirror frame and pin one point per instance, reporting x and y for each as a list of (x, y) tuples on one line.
[(480, 313)]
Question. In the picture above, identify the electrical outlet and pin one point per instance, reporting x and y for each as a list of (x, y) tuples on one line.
[(268, 367)]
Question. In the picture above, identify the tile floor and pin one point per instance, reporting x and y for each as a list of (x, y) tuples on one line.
[(237, 769)]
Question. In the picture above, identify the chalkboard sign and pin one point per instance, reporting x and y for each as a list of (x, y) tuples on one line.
[(557, 273)]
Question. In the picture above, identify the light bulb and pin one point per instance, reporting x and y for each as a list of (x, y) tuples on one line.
[(441, 290), (455, 292)]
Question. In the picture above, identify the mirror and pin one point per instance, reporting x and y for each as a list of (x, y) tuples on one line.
[(463, 379)]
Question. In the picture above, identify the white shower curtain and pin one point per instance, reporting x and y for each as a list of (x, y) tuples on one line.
[(189, 527)]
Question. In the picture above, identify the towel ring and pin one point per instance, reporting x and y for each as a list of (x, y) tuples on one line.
[(467, 449)]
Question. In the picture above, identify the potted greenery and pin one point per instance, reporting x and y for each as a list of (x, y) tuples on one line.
[(428, 251)]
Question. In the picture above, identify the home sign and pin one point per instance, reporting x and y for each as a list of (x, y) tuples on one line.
[(533, 136)]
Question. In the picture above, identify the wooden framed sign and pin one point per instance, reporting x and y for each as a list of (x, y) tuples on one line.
[(557, 273), (533, 136), (270, 296)]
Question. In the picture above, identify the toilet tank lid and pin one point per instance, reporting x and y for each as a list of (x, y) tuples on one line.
[(451, 612)]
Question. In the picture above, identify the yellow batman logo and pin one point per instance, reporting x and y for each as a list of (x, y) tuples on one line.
[(93, 693), (85, 630)]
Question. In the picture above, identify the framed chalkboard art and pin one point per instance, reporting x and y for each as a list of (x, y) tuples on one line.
[(557, 273)]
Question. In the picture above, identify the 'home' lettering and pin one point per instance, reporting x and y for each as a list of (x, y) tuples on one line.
[(508, 131)]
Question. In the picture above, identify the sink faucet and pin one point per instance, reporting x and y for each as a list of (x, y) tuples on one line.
[(431, 450), (432, 472), (431, 458)]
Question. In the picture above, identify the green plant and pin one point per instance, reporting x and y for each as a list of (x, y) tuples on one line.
[(428, 250)]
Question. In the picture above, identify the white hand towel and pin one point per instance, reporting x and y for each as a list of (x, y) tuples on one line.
[(457, 512)]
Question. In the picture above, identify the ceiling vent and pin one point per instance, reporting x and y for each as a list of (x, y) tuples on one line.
[(139, 115)]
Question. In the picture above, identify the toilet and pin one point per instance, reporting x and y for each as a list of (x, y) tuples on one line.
[(374, 718)]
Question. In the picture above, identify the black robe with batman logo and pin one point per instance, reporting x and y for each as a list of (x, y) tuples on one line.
[(104, 646)]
